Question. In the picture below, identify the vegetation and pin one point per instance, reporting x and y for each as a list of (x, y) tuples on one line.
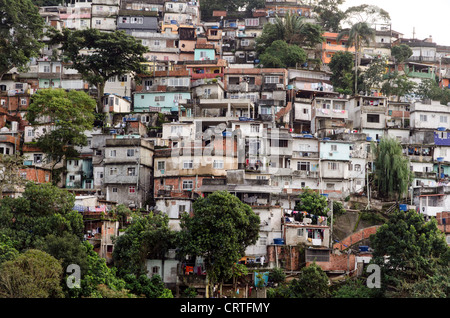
[(111, 54), (357, 36), (281, 55), (413, 256), (219, 231), (33, 274), (69, 113), (392, 174), (20, 34), (341, 67), (312, 202), (146, 237), (311, 282)]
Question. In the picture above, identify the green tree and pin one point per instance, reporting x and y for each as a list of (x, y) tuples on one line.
[(401, 53), (99, 56), (341, 67), (33, 274), (329, 14), (373, 77), (358, 35), (292, 29), (311, 282), (366, 13), (219, 231), (42, 210), (398, 85), (20, 34), (353, 288), (282, 55), (148, 287), (312, 202), (147, 237), (410, 250), (7, 250), (71, 113), (392, 174)]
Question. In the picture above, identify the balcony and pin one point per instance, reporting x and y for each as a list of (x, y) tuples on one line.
[(196, 76)]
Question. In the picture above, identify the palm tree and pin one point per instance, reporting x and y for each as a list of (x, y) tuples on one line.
[(360, 33), (289, 27)]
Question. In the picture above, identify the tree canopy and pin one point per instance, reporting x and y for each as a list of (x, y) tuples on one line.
[(99, 56), (410, 251), (33, 274), (219, 231), (282, 55), (70, 113), (341, 67), (147, 237), (20, 34), (293, 29), (392, 173), (312, 202)]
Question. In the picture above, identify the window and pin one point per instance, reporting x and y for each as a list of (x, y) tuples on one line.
[(333, 166), (181, 208), (112, 79), (218, 164), (112, 171), (175, 130), (251, 22), (131, 189), (178, 81), (131, 171), (188, 164), (300, 232), (46, 69), (98, 22), (112, 153), (137, 20), (30, 133), (245, 42), (100, 175), (272, 80), (160, 98), (161, 165), (114, 190), (423, 117), (71, 178), (333, 147), (75, 163), (372, 118), (188, 185), (254, 128), (37, 158), (279, 143), (130, 152), (443, 119), (303, 166), (23, 101), (357, 167)]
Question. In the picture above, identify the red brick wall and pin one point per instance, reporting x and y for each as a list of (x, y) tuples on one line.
[(356, 237)]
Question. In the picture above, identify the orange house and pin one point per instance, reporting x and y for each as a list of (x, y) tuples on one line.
[(331, 45)]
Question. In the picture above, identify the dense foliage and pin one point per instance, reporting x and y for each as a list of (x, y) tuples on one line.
[(219, 231)]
